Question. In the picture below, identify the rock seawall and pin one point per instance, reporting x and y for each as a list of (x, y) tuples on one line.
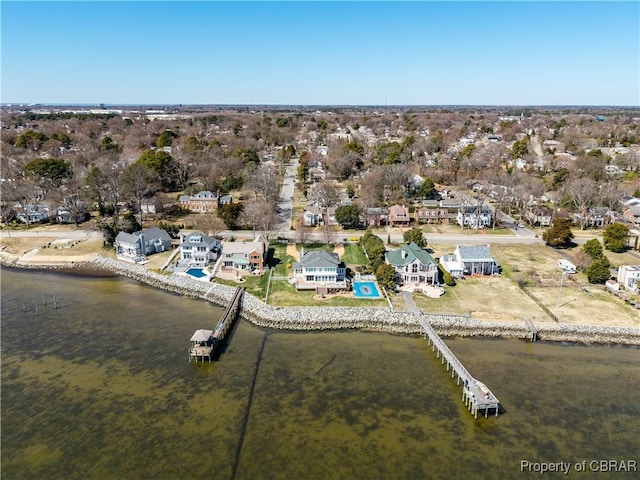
[(364, 318)]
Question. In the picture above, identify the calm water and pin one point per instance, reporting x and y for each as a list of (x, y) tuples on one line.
[(101, 388)]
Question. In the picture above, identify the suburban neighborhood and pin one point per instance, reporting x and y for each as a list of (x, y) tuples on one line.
[(285, 202)]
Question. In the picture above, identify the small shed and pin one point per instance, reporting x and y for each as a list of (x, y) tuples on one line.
[(202, 337)]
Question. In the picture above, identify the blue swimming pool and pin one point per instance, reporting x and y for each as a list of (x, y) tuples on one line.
[(196, 272), (366, 290)]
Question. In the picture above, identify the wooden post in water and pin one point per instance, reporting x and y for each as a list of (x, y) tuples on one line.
[(55, 304), (44, 300)]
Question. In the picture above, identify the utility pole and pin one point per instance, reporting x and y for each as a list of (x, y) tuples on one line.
[(564, 275)]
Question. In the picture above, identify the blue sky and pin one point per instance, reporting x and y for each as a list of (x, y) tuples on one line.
[(321, 53)]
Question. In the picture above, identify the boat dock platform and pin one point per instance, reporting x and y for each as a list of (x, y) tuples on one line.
[(475, 394), (206, 344)]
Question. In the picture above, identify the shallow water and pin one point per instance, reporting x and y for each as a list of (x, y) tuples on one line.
[(101, 388)]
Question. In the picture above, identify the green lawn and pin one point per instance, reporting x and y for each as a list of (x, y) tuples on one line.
[(354, 255), (255, 285), (280, 258), (314, 246), (283, 294)]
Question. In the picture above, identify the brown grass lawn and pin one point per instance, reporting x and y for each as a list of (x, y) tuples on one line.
[(499, 298), (20, 246), (596, 307), (488, 298)]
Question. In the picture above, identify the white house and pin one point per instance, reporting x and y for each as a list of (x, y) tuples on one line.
[(319, 268), (136, 246), (475, 216), (198, 250), (312, 216), (470, 260), (629, 276), (413, 265)]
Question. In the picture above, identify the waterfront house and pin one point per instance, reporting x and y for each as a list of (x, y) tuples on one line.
[(413, 265), (470, 260), (319, 270), (136, 246), (629, 277), (198, 250), (399, 215), (245, 256)]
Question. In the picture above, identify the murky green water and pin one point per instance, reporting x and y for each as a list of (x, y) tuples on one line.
[(101, 388)]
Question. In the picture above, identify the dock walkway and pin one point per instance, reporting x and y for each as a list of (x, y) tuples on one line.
[(206, 348), (475, 394)]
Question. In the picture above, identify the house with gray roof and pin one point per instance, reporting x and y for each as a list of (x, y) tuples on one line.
[(470, 260), (413, 265), (475, 216), (204, 201), (198, 250), (319, 270), (136, 246), (245, 256)]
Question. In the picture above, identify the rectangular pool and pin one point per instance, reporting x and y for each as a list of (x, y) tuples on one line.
[(366, 289), (196, 272)]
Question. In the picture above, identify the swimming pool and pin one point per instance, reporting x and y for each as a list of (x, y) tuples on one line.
[(366, 290), (196, 272)]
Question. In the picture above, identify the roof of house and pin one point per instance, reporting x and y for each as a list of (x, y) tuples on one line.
[(374, 211), (318, 259), (205, 194), (398, 211), (242, 247), (312, 209), (408, 254), (475, 253), (451, 264), (150, 234), (193, 236), (154, 233), (475, 209)]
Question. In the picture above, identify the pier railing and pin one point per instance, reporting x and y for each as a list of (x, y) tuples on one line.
[(475, 394)]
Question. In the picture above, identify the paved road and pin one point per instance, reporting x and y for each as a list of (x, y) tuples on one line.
[(42, 232), (285, 202)]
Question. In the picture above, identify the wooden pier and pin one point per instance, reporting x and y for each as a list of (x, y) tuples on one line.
[(206, 344), (475, 394)]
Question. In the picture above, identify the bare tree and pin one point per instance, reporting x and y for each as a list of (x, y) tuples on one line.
[(329, 233), (302, 232), (260, 215), (323, 194), (139, 182), (211, 224), (582, 192), (265, 183)]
